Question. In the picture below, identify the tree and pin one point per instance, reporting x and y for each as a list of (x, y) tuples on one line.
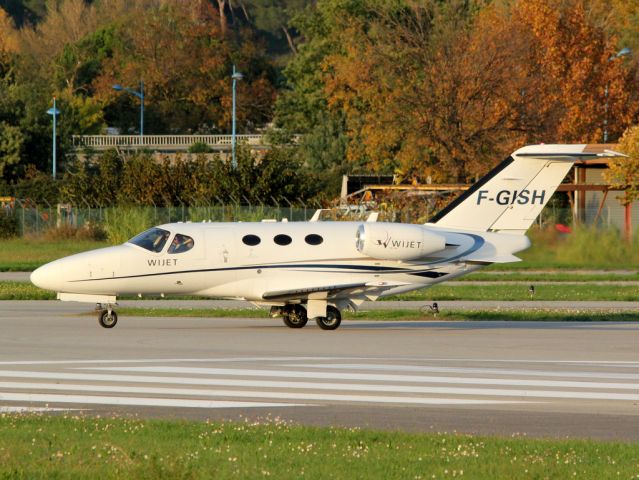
[(275, 16), (444, 89), (11, 149), (623, 172), (185, 63), (302, 106)]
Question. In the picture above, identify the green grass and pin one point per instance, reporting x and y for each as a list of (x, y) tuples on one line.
[(11, 290), (23, 291), (585, 248), (538, 314), (25, 255), (83, 447), (577, 292), (547, 276)]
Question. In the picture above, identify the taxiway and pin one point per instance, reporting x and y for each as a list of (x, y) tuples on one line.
[(548, 379)]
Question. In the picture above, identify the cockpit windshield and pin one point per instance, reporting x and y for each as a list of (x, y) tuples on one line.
[(153, 239)]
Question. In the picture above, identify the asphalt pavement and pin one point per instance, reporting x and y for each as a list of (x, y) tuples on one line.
[(546, 379)]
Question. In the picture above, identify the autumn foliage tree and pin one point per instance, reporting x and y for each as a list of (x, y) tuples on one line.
[(443, 90), (185, 62), (623, 172)]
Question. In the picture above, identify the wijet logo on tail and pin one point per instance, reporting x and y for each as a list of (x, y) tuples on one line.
[(511, 197)]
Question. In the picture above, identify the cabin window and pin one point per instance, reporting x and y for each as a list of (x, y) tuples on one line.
[(251, 240), (282, 239), (181, 243), (152, 240), (314, 239)]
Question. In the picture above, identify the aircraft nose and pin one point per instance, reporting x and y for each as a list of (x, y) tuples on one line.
[(46, 277)]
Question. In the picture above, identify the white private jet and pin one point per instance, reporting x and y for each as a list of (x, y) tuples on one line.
[(315, 269)]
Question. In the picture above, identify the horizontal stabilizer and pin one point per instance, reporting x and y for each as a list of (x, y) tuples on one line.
[(497, 259)]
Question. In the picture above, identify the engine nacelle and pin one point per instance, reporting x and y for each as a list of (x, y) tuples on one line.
[(393, 241)]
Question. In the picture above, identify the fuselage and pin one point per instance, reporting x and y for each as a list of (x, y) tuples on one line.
[(245, 260)]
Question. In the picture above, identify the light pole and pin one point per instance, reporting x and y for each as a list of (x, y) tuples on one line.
[(621, 53), (140, 95), (236, 76), (54, 112)]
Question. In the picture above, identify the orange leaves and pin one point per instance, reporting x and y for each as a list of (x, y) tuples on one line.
[(438, 91), (185, 63), (623, 172)]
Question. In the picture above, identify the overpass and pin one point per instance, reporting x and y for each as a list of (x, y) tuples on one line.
[(168, 143)]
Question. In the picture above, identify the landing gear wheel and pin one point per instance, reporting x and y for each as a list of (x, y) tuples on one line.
[(106, 319), (295, 317), (332, 319)]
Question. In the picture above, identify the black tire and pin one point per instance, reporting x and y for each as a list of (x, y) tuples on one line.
[(107, 321), (295, 317), (332, 319)]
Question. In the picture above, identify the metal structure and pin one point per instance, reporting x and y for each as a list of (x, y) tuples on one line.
[(168, 143), (236, 76), (140, 95), (54, 112)]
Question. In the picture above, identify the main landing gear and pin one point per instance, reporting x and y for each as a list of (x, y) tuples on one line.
[(332, 319), (294, 316), (107, 317)]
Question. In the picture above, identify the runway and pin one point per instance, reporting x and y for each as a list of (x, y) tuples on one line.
[(548, 379)]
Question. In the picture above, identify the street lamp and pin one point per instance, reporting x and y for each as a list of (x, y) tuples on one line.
[(140, 95), (236, 76), (54, 112), (621, 53)]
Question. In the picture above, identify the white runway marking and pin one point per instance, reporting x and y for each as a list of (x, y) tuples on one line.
[(253, 394), (137, 401), (490, 371), (316, 385), (355, 376), (178, 360), (274, 383)]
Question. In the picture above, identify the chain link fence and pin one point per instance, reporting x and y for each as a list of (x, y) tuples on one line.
[(28, 219)]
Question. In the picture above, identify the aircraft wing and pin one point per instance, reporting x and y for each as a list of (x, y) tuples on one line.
[(364, 290)]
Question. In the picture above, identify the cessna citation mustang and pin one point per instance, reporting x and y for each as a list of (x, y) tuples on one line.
[(316, 269)]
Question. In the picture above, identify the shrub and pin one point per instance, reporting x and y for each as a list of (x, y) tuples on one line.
[(122, 223), (88, 231), (200, 147), (8, 224)]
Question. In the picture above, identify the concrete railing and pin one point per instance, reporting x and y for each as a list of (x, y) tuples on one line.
[(166, 142)]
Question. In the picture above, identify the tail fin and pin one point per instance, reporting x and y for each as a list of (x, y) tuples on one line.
[(512, 195)]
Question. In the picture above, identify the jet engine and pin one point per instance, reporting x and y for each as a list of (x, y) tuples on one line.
[(394, 241)]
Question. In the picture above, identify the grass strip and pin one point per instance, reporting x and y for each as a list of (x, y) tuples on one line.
[(548, 315), (83, 447), (12, 290), (25, 255), (577, 292), (548, 276)]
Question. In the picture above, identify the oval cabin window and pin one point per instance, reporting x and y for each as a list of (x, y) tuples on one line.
[(282, 239), (314, 239), (251, 240)]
